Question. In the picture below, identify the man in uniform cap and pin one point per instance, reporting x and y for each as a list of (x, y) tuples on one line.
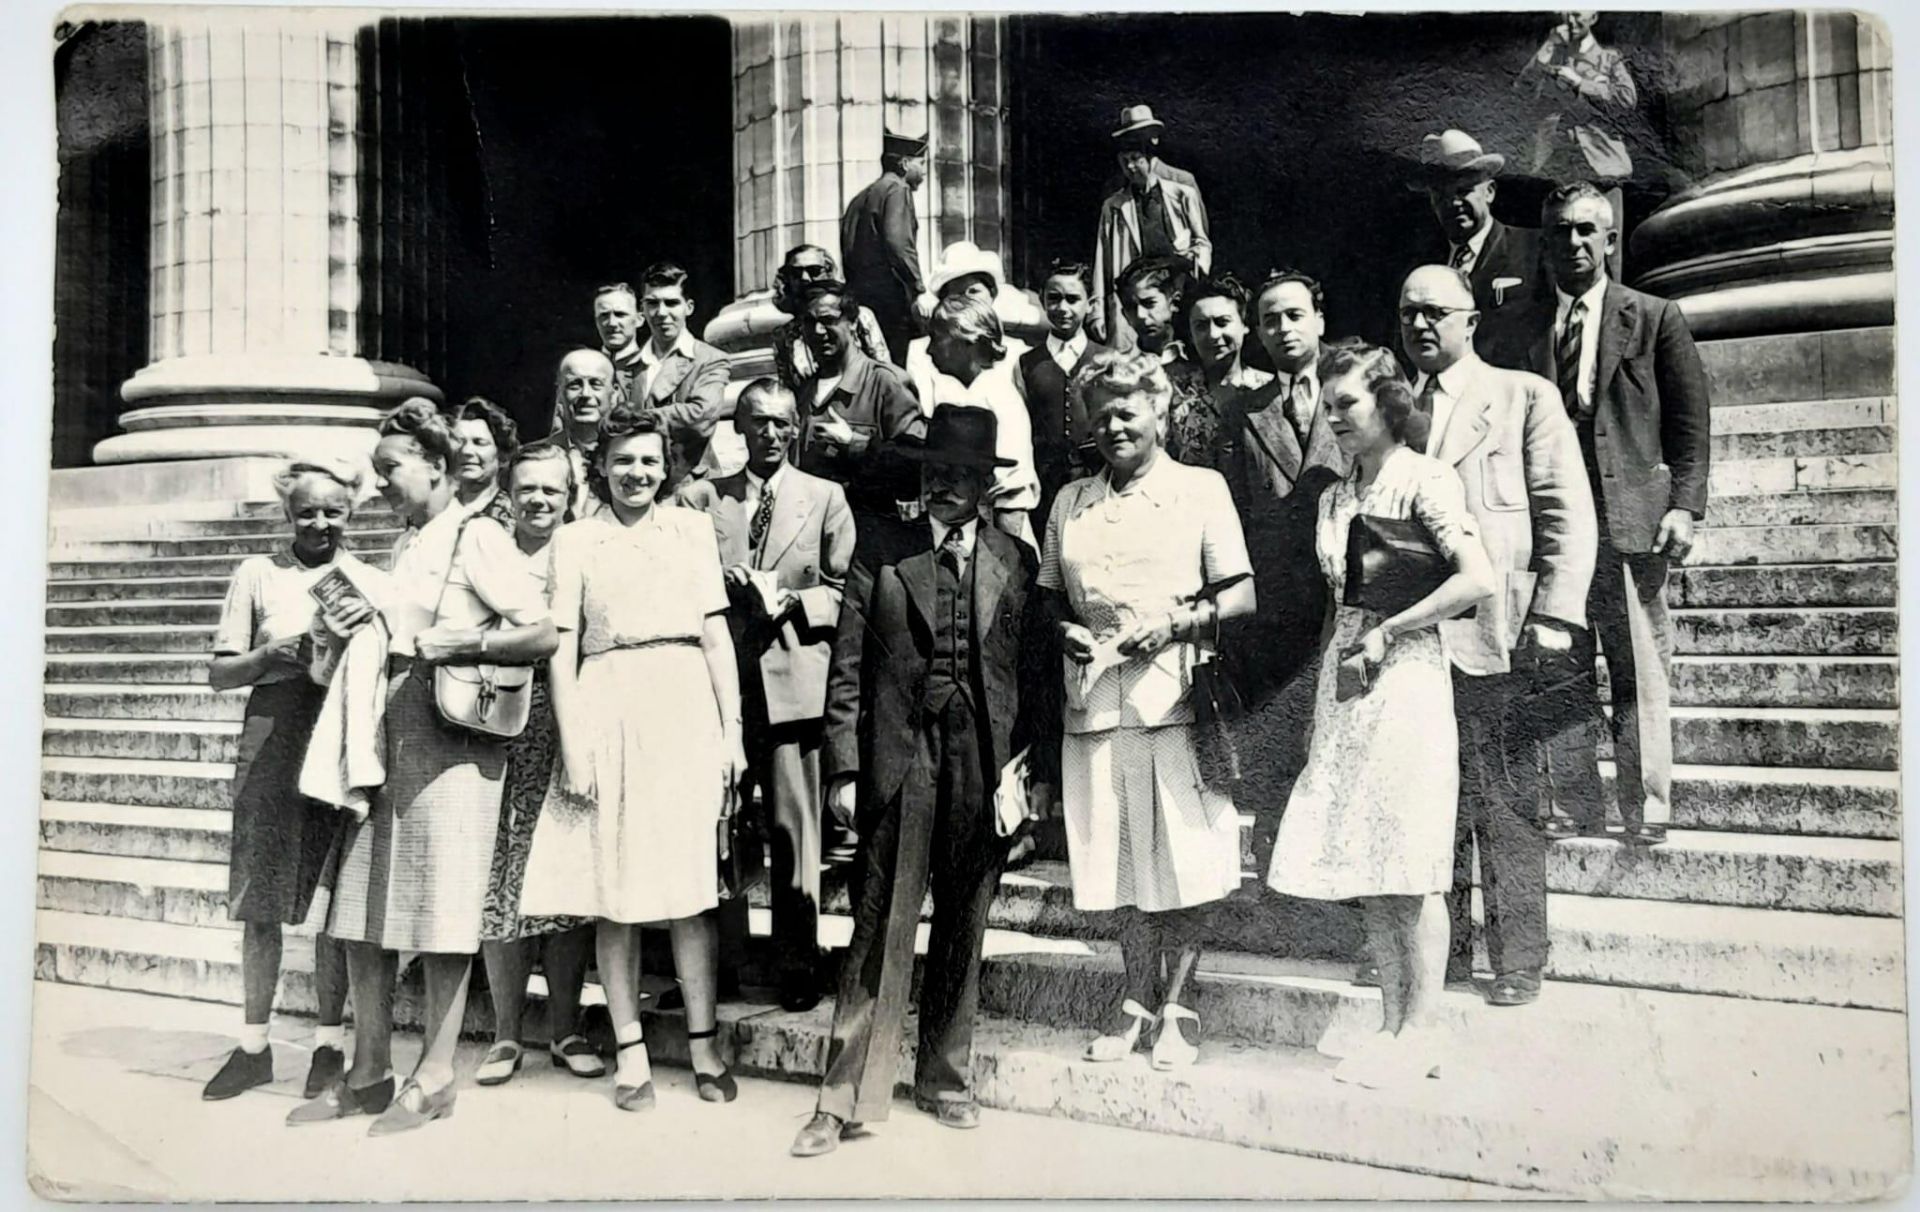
[(1151, 214), (878, 241), (1502, 262)]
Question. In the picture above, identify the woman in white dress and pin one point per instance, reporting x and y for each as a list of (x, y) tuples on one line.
[(647, 699), (1372, 815), (1145, 561)]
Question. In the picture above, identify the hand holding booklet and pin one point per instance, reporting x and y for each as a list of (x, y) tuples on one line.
[(1012, 805)]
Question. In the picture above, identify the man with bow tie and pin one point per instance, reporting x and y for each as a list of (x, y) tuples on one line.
[(1509, 437), (786, 540)]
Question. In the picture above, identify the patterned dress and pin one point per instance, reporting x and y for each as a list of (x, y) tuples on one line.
[(1373, 813), (1193, 418)]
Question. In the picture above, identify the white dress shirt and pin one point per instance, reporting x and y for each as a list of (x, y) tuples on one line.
[(650, 361), (1453, 381), (1067, 353), (1475, 244), (966, 530), (757, 487), (1589, 335)]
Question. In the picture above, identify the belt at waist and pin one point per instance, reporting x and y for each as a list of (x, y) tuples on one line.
[(658, 641)]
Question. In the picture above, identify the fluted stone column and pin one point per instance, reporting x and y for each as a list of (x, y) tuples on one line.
[(1785, 119), (255, 292), (812, 95)]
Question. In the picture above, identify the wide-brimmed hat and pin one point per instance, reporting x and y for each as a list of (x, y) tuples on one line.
[(1454, 153), (961, 258), (961, 435), (903, 146), (1137, 121)]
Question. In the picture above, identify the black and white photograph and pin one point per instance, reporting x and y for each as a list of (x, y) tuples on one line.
[(965, 605)]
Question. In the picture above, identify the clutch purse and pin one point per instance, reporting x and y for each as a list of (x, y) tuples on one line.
[(1391, 564), (490, 700)]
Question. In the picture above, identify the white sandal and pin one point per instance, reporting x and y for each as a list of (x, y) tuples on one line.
[(1109, 1048), (501, 1063), (1170, 1048)]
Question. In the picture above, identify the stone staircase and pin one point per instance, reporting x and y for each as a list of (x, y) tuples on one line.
[(1725, 1017)]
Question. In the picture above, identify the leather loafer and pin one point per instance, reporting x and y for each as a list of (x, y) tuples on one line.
[(952, 1112), (329, 1066), (820, 1135), (243, 1071), (339, 1101), (413, 1108), (1515, 988)]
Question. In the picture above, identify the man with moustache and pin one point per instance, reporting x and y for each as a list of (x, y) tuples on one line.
[(786, 540), (942, 675), (584, 388), (1632, 380), (1510, 439), (879, 238), (679, 376), (616, 317), (855, 411), (1503, 263)]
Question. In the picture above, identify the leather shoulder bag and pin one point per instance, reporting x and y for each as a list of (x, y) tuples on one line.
[(491, 701)]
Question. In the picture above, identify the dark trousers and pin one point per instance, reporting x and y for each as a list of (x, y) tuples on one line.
[(1499, 805), (937, 831)]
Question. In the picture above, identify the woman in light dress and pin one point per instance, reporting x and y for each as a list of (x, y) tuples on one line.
[(413, 875), (280, 838), (538, 484), (1372, 815), (1145, 561), (647, 698)]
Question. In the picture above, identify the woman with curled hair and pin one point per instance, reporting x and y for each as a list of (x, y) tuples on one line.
[(280, 839), (538, 487), (966, 341), (1372, 815), (1144, 563), (413, 874), (629, 832), (488, 438)]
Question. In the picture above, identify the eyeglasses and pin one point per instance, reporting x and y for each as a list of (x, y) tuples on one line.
[(1432, 315)]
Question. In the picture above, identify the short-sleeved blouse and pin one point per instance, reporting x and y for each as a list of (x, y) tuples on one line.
[(1409, 484), (267, 602), (1147, 549), (486, 579), (624, 586)]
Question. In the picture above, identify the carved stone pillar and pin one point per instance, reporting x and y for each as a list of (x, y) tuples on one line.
[(1785, 118), (255, 300), (812, 95)]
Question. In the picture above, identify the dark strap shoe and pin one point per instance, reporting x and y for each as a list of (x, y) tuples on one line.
[(243, 1071), (339, 1101)]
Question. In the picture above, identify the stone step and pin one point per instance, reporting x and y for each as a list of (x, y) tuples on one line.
[(151, 638), (153, 669), (1853, 738), (1784, 585), (149, 588), (1825, 442), (93, 568), (153, 740), (1783, 801), (1810, 631), (1844, 507), (1814, 473), (111, 702), (1786, 681), (135, 612), (191, 835), (123, 780), (1833, 365), (1715, 545), (243, 545), (1786, 1102), (1762, 871)]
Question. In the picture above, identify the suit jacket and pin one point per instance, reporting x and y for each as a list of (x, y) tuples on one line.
[(875, 401), (1510, 257), (876, 690), (1652, 426), (1519, 460), (809, 544), (689, 392), (879, 246), (1117, 244)]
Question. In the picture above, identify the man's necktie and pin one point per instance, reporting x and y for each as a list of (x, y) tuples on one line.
[(762, 518), (953, 552), (1566, 356), (1300, 407), (1420, 425), (1462, 253)]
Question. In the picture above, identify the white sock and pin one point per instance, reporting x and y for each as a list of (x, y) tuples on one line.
[(334, 1037), (253, 1038)]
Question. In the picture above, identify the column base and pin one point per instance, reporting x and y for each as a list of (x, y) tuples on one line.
[(273, 406)]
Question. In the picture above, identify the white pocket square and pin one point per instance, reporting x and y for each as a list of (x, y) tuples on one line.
[(1500, 288)]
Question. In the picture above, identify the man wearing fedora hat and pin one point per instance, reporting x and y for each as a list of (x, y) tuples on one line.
[(879, 240), (942, 675), (1152, 213), (1502, 263)]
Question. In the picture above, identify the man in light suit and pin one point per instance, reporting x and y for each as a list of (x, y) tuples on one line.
[(942, 673), (1502, 262), (1632, 380), (679, 376), (1151, 215), (880, 241), (1518, 457), (786, 539)]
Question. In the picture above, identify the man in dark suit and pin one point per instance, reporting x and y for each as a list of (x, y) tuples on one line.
[(879, 241), (786, 540), (940, 679), (1634, 386), (1502, 262), (1062, 443)]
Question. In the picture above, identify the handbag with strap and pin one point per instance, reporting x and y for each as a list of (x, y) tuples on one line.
[(492, 701), (1216, 705), (1392, 563)]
